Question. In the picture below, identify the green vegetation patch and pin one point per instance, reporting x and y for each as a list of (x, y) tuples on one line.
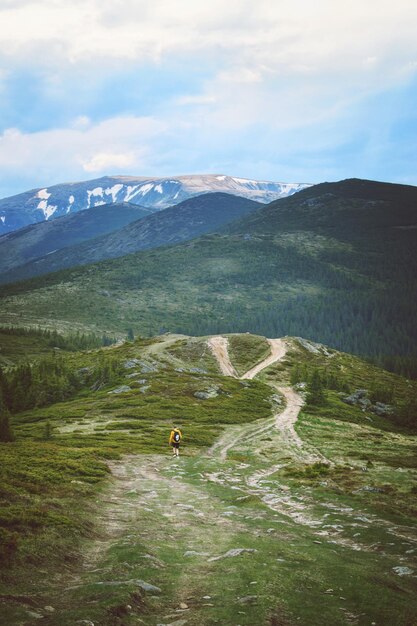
[(247, 350)]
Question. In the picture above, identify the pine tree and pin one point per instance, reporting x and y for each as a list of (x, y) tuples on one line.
[(47, 433), (315, 394), (6, 433), (295, 375)]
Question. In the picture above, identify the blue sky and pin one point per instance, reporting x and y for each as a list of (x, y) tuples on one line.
[(296, 91)]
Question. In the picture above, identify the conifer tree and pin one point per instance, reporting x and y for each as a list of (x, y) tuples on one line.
[(315, 393), (6, 433)]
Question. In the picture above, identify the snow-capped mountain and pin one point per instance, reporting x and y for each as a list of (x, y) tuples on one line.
[(48, 203)]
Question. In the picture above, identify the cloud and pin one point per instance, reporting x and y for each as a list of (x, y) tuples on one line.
[(120, 144), (175, 86), (300, 36), (109, 161)]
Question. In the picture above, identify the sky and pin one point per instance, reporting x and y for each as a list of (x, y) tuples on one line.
[(281, 90)]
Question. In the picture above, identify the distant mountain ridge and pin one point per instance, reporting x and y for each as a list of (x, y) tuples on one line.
[(35, 241), (193, 217), (48, 203), (335, 263)]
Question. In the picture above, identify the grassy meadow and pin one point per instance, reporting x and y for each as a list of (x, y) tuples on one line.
[(93, 509)]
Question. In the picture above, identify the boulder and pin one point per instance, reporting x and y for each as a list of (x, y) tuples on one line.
[(122, 389), (211, 392)]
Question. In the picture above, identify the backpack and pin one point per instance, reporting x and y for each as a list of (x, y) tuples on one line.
[(176, 436)]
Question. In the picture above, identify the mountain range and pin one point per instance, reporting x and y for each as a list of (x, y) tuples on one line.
[(44, 238), (74, 239), (335, 263), (48, 203)]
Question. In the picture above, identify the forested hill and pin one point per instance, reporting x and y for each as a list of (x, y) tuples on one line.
[(351, 209), (186, 220), (336, 263)]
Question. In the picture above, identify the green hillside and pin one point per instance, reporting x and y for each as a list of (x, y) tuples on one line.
[(334, 263), (149, 229), (28, 245), (332, 519)]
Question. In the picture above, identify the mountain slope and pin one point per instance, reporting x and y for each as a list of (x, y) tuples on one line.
[(191, 218), (352, 209), (265, 502), (48, 203), (348, 283), (37, 240)]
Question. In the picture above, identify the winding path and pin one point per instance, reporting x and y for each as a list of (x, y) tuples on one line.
[(283, 420)]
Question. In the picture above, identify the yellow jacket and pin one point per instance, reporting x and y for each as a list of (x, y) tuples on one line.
[(171, 437)]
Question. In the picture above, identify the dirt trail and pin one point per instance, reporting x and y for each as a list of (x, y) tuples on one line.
[(284, 420), (278, 351), (218, 345)]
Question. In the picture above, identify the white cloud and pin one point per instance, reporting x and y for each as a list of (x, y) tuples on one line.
[(109, 161), (299, 36), (117, 145), (272, 66)]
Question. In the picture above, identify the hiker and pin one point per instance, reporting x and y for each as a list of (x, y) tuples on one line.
[(174, 440)]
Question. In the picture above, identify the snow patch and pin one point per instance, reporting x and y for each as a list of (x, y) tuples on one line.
[(159, 189), (3, 218), (47, 209), (113, 191), (130, 192), (71, 201), (43, 194), (97, 191), (144, 189)]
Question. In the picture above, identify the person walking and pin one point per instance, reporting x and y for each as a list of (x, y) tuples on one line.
[(174, 440)]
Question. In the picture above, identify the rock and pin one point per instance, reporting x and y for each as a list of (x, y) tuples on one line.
[(356, 397), (370, 489), (403, 571), (148, 587), (122, 389), (197, 370), (144, 389), (232, 553), (50, 609), (212, 392), (312, 346), (183, 605), (85, 622), (131, 363), (34, 615), (381, 409), (193, 553), (301, 386), (206, 597), (248, 599), (147, 367), (133, 375)]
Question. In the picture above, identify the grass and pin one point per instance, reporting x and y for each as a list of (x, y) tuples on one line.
[(247, 350), (41, 477), (58, 506), (16, 348)]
